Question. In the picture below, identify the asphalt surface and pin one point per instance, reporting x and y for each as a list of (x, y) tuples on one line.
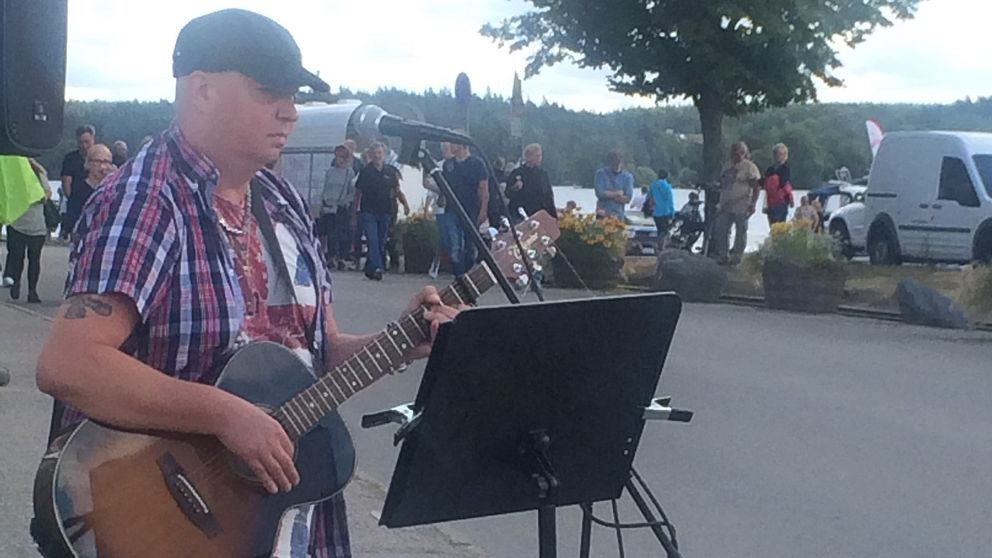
[(813, 436)]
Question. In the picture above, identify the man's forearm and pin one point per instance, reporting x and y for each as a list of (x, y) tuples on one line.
[(112, 387)]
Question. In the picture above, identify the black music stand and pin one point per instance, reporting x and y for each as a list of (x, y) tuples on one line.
[(529, 407)]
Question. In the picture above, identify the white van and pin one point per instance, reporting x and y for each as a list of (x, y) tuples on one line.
[(929, 198)]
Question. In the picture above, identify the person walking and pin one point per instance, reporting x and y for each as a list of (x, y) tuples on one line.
[(663, 206), (374, 190), (25, 238)]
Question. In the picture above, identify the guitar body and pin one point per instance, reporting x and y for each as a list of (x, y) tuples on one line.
[(114, 494)]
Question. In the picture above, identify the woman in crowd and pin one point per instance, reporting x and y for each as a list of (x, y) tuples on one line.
[(26, 237)]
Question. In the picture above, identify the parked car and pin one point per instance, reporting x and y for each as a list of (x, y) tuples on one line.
[(642, 234), (843, 213), (929, 198)]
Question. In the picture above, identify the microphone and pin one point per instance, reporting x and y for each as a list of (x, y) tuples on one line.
[(371, 121)]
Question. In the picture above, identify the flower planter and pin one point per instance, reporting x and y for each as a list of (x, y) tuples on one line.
[(802, 289), (418, 239), (597, 271)]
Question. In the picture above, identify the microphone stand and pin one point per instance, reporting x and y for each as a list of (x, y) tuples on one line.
[(420, 157)]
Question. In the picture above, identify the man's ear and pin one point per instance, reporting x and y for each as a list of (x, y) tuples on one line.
[(197, 90)]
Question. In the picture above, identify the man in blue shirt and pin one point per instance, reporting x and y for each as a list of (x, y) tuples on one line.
[(614, 186), (469, 180), (663, 200)]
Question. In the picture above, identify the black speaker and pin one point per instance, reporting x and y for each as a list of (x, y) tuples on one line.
[(32, 75)]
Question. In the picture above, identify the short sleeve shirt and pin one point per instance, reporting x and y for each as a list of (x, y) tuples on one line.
[(465, 177), (735, 184), (377, 187)]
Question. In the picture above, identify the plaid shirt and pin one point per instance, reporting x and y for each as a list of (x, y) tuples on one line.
[(151, 233)]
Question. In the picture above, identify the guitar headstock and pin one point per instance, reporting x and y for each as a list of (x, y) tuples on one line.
[(537, 235)]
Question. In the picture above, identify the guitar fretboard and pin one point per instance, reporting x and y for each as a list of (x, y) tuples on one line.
[(386, 352)]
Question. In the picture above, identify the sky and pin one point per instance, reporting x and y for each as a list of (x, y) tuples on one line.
[(121, 50)]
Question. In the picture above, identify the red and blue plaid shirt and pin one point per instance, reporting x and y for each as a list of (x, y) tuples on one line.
[(151, 233)]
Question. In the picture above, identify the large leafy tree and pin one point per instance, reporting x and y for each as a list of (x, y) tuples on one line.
[(728, 57)]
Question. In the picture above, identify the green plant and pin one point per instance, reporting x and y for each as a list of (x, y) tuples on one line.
[(794, 244), (418, 240)]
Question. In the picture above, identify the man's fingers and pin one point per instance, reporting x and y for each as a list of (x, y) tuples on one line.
[(288, 467), (275, 470), (263, 476)]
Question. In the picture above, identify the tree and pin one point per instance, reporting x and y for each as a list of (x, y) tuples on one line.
[(729, 57)]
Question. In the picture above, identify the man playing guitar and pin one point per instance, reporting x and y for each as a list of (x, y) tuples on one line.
[(170, 257)]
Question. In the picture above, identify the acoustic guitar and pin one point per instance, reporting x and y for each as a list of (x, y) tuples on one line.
[(102, 492)]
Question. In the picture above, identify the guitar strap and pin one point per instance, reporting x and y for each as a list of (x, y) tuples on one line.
[(275, 251)]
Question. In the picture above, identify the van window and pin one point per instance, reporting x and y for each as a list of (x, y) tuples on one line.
[(955, 184), (984, 165)]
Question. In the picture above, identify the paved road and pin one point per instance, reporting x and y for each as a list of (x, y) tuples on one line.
[(814, 436)]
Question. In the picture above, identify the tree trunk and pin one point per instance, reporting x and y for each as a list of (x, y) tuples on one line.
[(711, 119)]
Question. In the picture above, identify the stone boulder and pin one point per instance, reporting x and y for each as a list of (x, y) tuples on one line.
[(694, 277), (922, 305)]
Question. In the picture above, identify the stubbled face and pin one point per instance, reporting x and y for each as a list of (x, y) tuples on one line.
[(99, 163), (534, 158), (459, 151), (253, 120), (85, 142), (377, 156)]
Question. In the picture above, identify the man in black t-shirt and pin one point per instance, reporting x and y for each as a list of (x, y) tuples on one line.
[(74, 174), (376, 185), (528, 187), (469, 180)]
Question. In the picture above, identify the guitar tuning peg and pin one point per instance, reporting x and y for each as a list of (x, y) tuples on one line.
[(552, 251), (518, 268), (532, 254), (534, 225), (521, 212), (537, 268), (545, 240), (500, 244), (522, 281)]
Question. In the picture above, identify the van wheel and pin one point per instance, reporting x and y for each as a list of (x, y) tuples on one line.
[(983, 248), (882, 248), (838, 230)]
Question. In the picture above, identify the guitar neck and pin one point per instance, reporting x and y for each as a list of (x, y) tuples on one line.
[(386, 352)]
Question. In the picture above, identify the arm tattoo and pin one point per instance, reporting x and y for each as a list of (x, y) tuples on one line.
[(79, 304)]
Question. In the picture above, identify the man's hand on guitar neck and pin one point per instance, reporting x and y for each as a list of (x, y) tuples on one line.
[(436, 313)]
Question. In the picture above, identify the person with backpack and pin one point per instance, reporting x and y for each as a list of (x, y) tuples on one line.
[(661, 203)]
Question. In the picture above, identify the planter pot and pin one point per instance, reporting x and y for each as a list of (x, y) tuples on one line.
[(802, 289), (417, 254), (597, 272)]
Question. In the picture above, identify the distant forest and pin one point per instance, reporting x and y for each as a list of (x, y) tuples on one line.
[(821, 137)]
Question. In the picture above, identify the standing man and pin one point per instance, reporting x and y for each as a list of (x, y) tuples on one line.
[(378, 184), (469, 180), (120, 152), (739, 191), (663, 210), (172, 248), (335, 207), (614, 186), (73, 174), (529, 187)]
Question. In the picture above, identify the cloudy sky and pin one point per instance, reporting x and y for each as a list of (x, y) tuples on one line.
[(121, 49)]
